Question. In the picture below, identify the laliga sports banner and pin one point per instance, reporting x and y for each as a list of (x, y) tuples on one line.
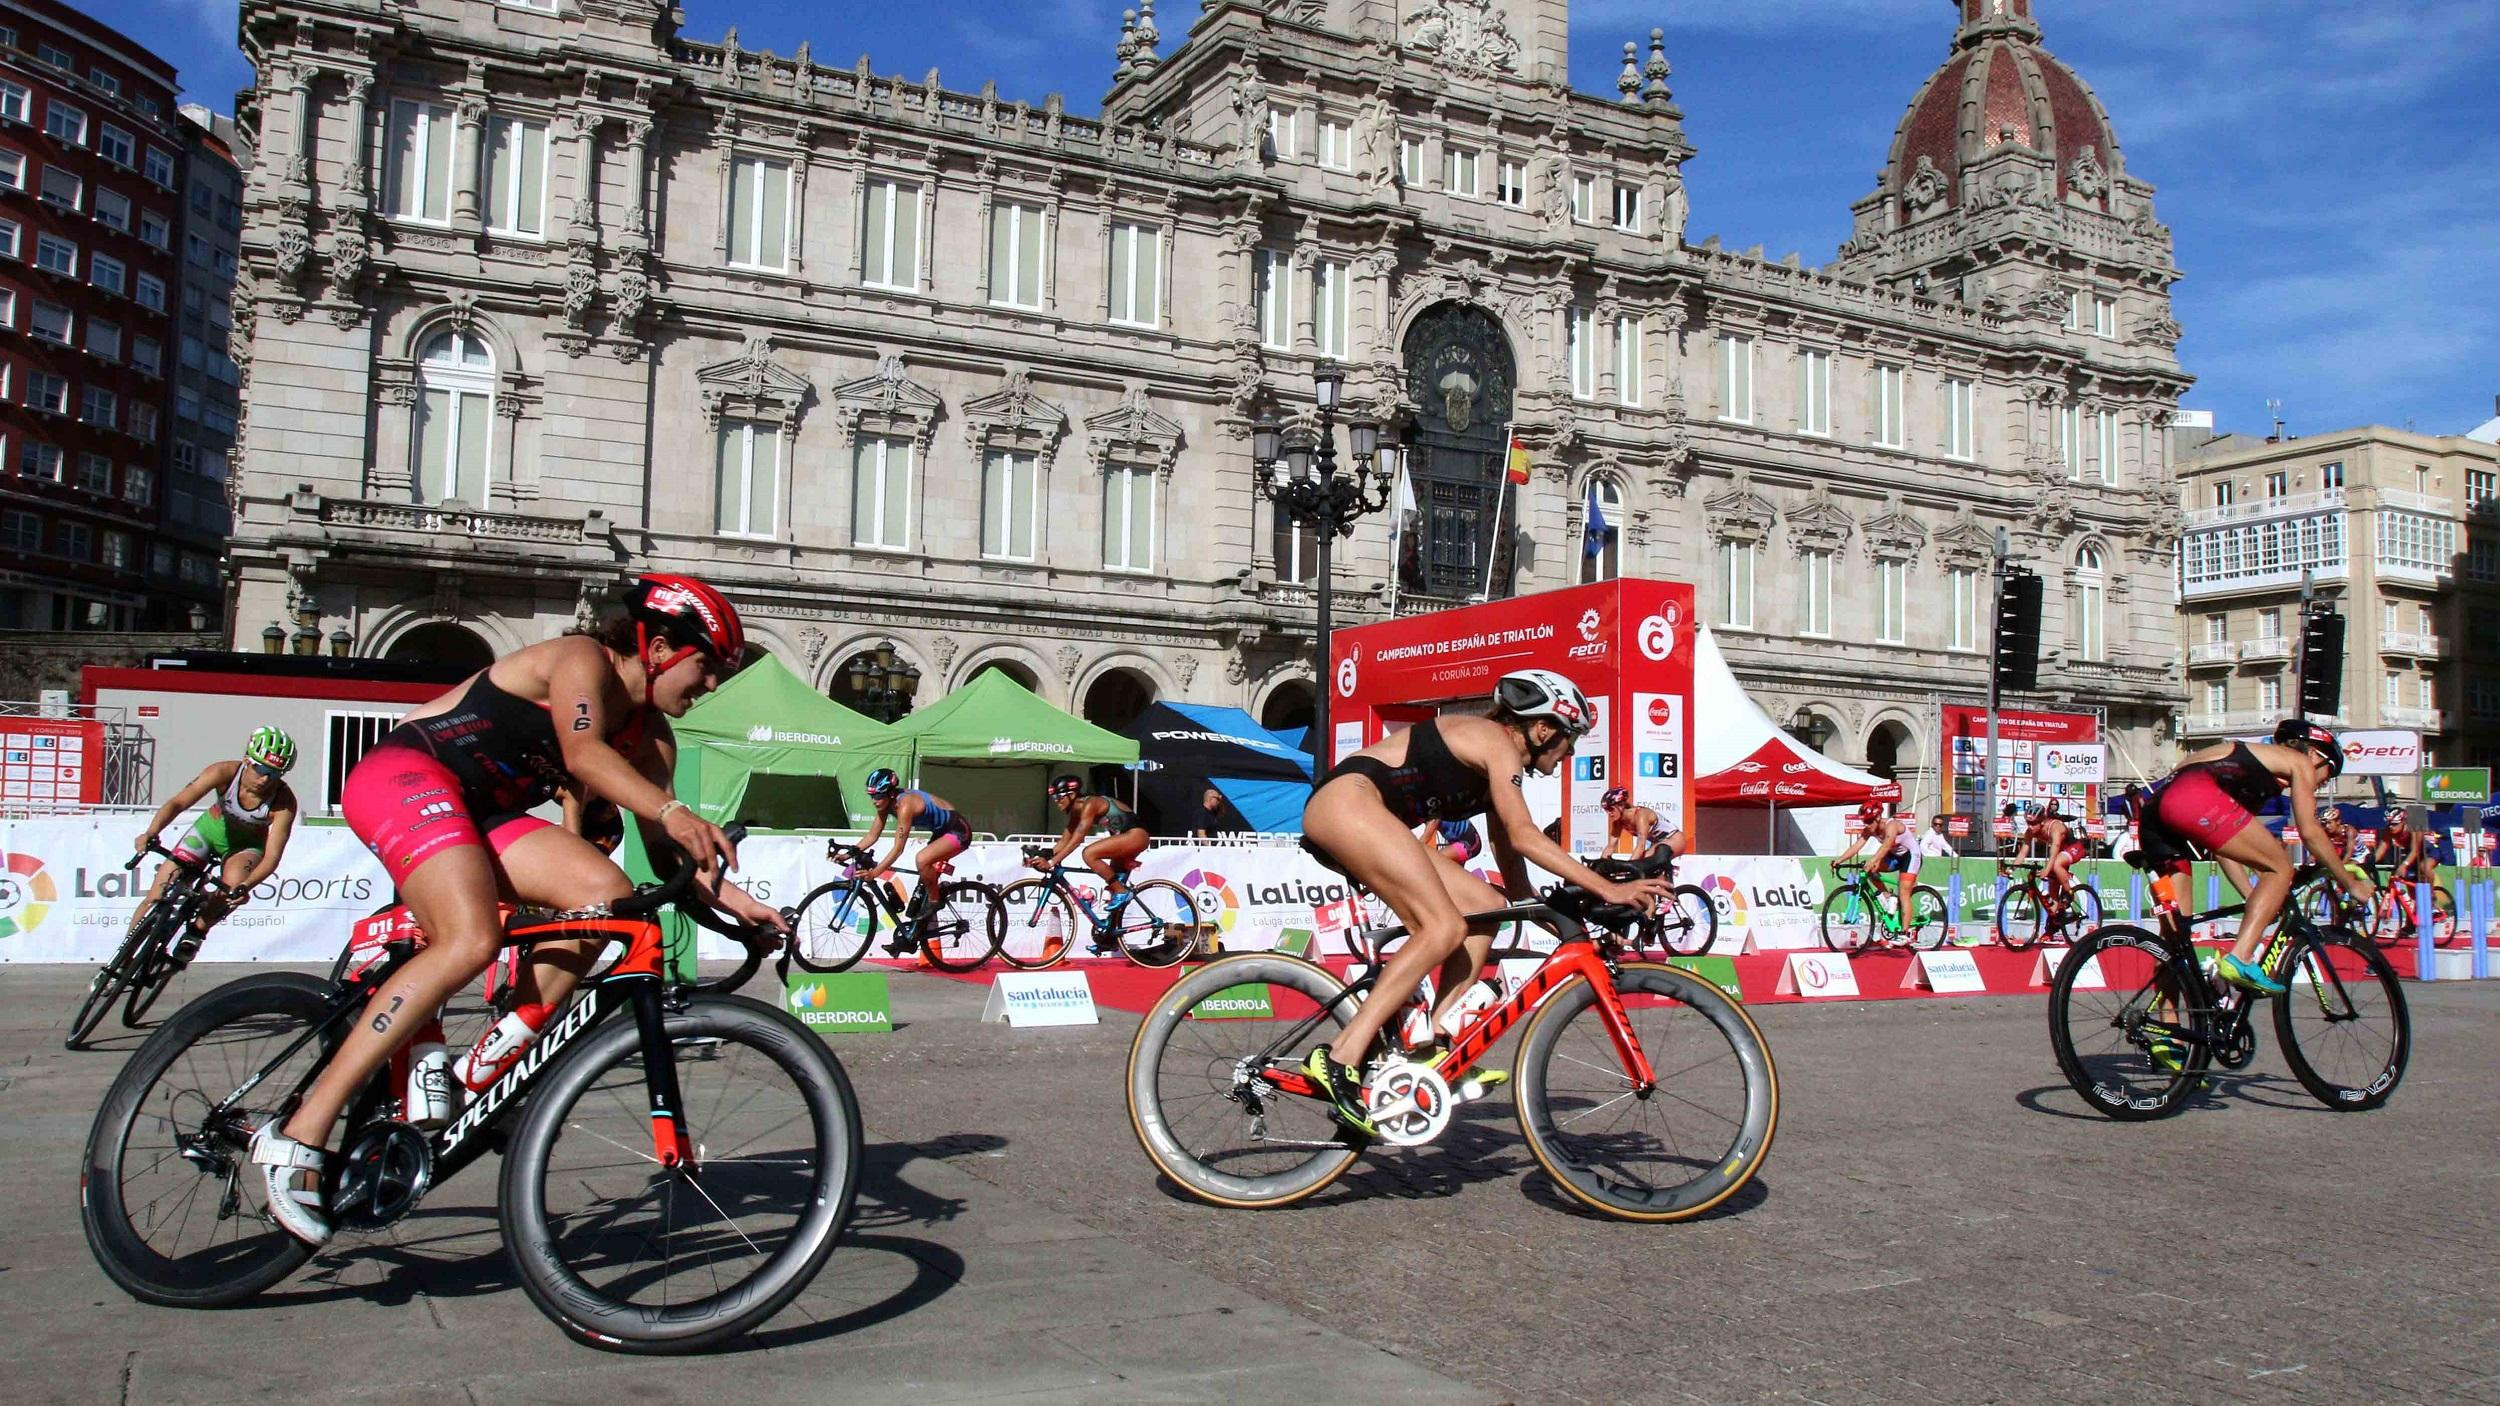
[(2021, 736), (2069, 762)]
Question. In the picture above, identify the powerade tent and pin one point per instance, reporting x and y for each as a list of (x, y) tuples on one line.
[(767, 749), (1195, 745), (1750, 775), (991, 747)]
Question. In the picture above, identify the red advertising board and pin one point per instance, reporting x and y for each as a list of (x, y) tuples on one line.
[(1627, 644), (49, 763), (2020, 734)]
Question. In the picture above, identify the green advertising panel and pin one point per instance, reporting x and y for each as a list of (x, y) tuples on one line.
[(833, 1003), (2462, 785), (1718, 971)]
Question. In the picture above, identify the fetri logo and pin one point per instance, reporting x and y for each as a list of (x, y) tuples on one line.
[(27, 893), (1588, 625)]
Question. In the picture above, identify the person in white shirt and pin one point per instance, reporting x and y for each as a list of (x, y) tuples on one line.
[(1934, 844)]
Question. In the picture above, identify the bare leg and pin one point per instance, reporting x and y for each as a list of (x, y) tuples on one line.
[(1108, 856), (1459, 970), (1347, 819), (147, 905), (561, 870), (2257, 849)]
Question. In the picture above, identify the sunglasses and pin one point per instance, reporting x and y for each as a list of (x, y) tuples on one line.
[(266, 769)]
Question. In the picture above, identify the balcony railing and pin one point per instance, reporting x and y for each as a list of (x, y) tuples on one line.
[(2213, 652), (2247, 720), (2419, 719), (2257, 508), (2410, 644), (2267, 647)]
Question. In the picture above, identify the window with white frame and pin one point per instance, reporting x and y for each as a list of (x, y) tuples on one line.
[(1606, 563), (41, 461), (2105, 445), (1008, 482), (2217, 629), (104, 82), (65, 122), (1336, 144), (8, 309), (1627, 207), (1282, 125), (1581, 351), (890, 247), (76, 541), (1410, 161), (453, 439), (2091, 589), (138, 484), (14, 99), (1016, 254), (12, 169), (47, 392), (143, 422), (147, 354), (1511, 183), (100, 407), (1137, 275), (2217, 698), (1961, 418), (2278, 485), (1462, 172), (759, 213), (22, 532), (112, 210), (151, 292), (2070, 443), (2074, 309), (56, 255), (104, 339), (51, 322), (748, 464), (1892, 619), (417, 160), (1736, 378), (159, 167), (516, 177), (1628, 360), (1962, 585), (1128, 517), (1275, 299), (154, 228), (1296, 550), (2104, 317), (2424, 694), (94, 474), (1329, 308), (2270, 694), (1584, 199), (2331, 476), (1736, 571), (115, 145), (881, 493), (1818, 593), (1814, 392), (108, 273), (61, 187), (1890, 432), (2393, 690)]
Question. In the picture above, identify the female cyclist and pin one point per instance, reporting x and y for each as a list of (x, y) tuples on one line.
[(1638, 829), (1123, 839), (2211, 802), (245, 827), (1458, 839), (444, 802), (1361, 822), (949, 833)]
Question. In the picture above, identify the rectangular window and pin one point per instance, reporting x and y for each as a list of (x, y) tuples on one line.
[(147, 354), (1581, 349), (2270, 695), (2074, 310), (1628, 360), (1584, 199), (1892, 622), (112, 210), (1410, 162), (2217, 698), (159, 167), (151, 292), (8, 309), (1007, 497), (1275, 298), (759, 213), (65, 122), (153, 228), (55, 55), (23, 531), (1329, 289), (2223, 492), (2481, 486), (1282, 125), (1137, 275), (1964, 584), (143, 423), (9, 237), (2423, 694), (1336, 144), (41, 461), (2105, 445), (1814, 392), (2331, 476), (107, 273), (1888, 391), (749, 477), (45, 391), (62, 188), (2070, 443), (95, 473), (417, 150), (1128, 518), (2104, 317), (881, 493), (890, 249), (1512, 186), (76, 541), (56, 254), (1627, 207), (13, 101), (1736, 563), (1462, 172), (1296, 550), (1818, 573), (2270, 623), (104, 339), (12, 169), (2393, 693), (139, 484), (1961, 418), (1016, 255), (52, 323), (2217, 629), (516, 177), (1736, 379), (2278, 486), (104, 82), (98, 406), (114, 145)]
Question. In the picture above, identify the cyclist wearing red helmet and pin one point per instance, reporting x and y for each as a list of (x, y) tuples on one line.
[(445, 799), (1896, 849), (1124, 836), (1637, 829), (2210, 803)]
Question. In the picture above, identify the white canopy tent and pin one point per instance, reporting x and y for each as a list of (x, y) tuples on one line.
[(1756, 789)]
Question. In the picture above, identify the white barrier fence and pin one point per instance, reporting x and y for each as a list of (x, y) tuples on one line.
[(64, 896)]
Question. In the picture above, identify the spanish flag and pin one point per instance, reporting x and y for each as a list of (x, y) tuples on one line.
[(1518, 462)]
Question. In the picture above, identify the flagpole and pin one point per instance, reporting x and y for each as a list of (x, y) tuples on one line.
[(1397, 535), (1501, 497)]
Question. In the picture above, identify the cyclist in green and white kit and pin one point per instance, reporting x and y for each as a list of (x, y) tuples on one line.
[(245, 827)]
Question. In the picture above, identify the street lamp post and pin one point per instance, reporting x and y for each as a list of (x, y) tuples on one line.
[(1303, 477), (882, 683)]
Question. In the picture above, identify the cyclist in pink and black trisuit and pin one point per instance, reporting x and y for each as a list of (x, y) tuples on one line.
[(444, 801), (1640, 831)]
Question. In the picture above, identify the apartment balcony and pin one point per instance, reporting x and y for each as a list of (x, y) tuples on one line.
[(2418, 719), (2266, 647), (2409, 645), (2213, 654), (2257, 508), (2246, 720)]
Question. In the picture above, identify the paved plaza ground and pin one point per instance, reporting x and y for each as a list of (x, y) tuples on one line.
[(1939, 1221)]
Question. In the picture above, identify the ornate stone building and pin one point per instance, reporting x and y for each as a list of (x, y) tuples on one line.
[(540, 296)]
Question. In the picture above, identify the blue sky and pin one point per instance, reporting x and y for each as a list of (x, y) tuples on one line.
[(2331, 170)]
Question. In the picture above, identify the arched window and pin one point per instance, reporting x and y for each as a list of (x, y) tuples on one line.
[(455, 407), (1601, 536), (2091, 589)]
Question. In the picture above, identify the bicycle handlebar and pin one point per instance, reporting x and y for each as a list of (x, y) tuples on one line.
[(198, 870), (1575, 902), (651, 898)]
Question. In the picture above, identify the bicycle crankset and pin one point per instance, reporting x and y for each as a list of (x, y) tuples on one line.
[(2236, 1051), (1408, 1103), (382, 1175)]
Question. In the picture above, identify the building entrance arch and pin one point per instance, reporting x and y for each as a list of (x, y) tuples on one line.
[(1461, 375)]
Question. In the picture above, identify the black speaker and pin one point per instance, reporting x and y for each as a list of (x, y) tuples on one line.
[(2018, 632), (2322, 663)]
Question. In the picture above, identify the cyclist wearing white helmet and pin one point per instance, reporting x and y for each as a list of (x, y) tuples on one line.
[(244, 830), (1361, 822)]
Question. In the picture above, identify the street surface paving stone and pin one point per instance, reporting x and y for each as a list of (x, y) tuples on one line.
[(1938, 1221)]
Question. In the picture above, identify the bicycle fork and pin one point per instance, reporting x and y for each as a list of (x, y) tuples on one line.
[(671, 1143)]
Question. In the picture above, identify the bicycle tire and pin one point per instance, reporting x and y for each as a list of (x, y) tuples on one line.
[(1187, 1155), (2083, 911), (108, 985), (2020, 918), (157, 970), (2313, 984), (2119, 1078), (1930, 920), (285, 1003), (972, 904), (1593, 1174), (1854, 922), (1159, 926), (1698, 930), (539, 1251), (834, 927), (2446, 931), (1037, 924)]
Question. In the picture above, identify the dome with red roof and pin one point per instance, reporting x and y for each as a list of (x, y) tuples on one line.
[(2000, 89)]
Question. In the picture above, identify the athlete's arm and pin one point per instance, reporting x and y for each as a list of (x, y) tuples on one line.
[(907, 808), (1519, 838), (212, 778), (1088, 811), (582, 699), (657, 760), (2304, 794), (282, 812)]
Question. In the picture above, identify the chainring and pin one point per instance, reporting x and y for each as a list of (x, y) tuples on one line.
[(1409, 1105), (383, 1172)]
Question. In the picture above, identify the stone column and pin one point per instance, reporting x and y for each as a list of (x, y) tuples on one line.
[(1369, 304), (574, 142), (468, 164), (722, 211), (352, 182), (1306, 320), (1602, 321), (638, 180), (299, 150), (803, 137)]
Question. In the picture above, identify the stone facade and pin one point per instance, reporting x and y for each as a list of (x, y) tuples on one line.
[(892, 361)]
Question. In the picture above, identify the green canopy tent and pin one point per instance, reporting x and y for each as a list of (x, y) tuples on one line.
[(767, 749), (991, 747)]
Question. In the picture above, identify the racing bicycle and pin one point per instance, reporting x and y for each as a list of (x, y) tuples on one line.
[(669, 1180), (1645, 1093), (1151, 922), (1685, 923), (2028, 913), (832, 928), (152, 955), (2136, 1019), (1862, 910), (2396, 916)]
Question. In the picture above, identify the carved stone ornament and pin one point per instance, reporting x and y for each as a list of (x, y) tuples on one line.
[(1015, 417), (2086, 177), (633, 292), (812, 644), (2044, 305), (1819, 525), (2158, 331), (887, 401), (1468, 36), (294, 247), (1926, 187), (1069, 659), (581, 286), (1236, 668), (752, 385), (1893, 535), (1185, 669), (1738, 514), (1135, 433), (943, 650)]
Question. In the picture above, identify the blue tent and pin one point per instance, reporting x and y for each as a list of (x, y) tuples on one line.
[(1263, 779)]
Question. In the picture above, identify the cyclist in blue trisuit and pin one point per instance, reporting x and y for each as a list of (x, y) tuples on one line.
[(1124, 836), (949, 833)]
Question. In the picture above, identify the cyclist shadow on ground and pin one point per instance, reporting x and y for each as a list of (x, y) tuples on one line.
[(2223, 1090)]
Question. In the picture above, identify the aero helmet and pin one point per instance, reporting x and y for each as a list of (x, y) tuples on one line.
[(1615, 796), (1065, 788), (690, 614), (271, 748), (883, 784), (1542, 693), (2321, 742)]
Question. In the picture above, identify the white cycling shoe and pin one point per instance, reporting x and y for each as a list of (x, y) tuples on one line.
[(296, 1209)]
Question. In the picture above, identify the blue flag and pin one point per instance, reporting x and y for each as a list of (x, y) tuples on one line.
[(1599, 530)]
